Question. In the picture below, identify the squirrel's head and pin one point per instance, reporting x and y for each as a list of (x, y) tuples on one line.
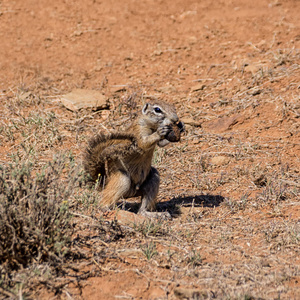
[(159, 113)]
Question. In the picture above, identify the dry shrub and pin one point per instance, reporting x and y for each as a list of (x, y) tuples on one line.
[(35, 224)]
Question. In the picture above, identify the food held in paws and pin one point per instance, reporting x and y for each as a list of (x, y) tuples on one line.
[(174, 134)]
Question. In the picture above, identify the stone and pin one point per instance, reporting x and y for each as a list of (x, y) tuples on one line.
[(84, 99), (118, 88), (24, 96), (167, 89), (198, 87), (191, 122), (220, 160), (223, 124), (125, 218), (253, 69)]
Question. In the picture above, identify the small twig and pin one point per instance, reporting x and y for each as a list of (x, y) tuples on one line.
[(289, 182), (83, 216), (203, 79), (7, 293)]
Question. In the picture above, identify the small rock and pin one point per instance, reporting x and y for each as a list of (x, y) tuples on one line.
[(118, 88), (196, 141), (275, 3), (198, 87), (125, 218), (191, 122), (223, 124), (24, 96), (253, 69), (130, 252), (220, 160), (260, 181), (255, 92), (157, 53), (167, 89), (192, 40), (82, 99), (265, 263)]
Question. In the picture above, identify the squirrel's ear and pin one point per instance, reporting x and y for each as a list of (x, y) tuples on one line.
[(145, 108)]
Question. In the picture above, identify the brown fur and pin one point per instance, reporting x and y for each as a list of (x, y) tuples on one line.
[(121, 161)]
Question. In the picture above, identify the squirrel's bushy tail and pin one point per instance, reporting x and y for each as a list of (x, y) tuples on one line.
[(103, 148)]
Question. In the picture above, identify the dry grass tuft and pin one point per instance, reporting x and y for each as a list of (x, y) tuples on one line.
[(35, 225)]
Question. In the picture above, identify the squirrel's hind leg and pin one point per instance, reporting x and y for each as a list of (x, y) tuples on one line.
[(149, 190), (118, 186)]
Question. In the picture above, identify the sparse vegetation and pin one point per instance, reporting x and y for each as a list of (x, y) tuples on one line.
[(149, 227), (35, 224), (34, 209), (149, 250), (194, 259)]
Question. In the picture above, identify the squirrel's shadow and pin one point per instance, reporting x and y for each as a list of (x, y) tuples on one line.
[(174, 204)]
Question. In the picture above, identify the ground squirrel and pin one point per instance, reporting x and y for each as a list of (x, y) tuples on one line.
[(121, 161)]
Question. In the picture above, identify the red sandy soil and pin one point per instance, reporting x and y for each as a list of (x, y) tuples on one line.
[(232, 69)]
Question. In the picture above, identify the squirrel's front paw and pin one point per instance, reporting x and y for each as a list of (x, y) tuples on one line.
[(163, 130)]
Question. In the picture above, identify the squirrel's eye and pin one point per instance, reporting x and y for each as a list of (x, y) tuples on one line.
[(157, 110)]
